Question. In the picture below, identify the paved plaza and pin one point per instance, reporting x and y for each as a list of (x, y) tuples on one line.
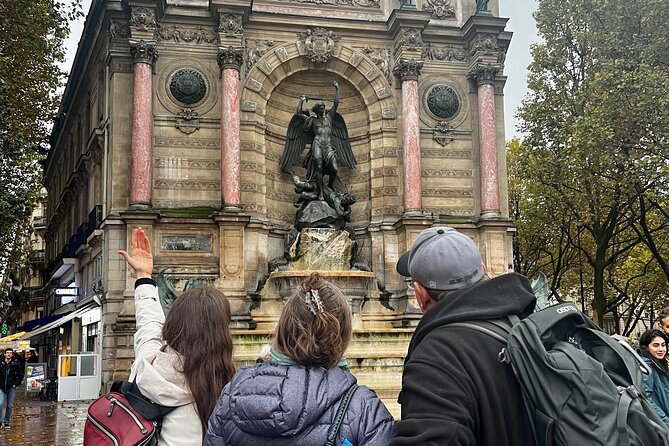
[(36, 423)]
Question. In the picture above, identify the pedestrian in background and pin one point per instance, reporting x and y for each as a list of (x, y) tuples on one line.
[(184, 359), (653, 350), (293, 398), (11, 375)]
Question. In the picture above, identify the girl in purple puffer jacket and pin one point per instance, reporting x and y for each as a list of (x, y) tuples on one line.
[(293, 398)]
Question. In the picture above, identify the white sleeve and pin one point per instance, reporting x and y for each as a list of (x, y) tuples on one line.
[(149, 319)]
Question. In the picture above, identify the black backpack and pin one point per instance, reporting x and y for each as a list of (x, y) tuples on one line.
[(580, 386)]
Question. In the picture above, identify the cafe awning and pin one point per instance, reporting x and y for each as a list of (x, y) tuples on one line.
[(64, 319)]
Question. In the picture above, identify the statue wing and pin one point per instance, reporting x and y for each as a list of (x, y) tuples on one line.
[(296, 141), (341, 141)]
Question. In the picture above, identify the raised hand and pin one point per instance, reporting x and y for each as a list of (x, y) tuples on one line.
[(141, 259), (335, 83)]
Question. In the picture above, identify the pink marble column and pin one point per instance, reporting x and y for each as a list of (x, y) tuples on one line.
[(488, 144), (144, 55), (484, 75), (230, 60), (409, 71)]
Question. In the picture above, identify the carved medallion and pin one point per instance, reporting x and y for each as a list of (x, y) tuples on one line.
[(409, 39), (443, 102), (188, 86), (319, 44), (443, 133), (440, 9), (187, 121), (143, 19), (231, 25)]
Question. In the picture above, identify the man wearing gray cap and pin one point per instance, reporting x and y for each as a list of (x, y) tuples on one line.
[(454, 390)]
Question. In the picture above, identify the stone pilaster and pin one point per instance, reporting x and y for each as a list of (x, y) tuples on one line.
[(232, 268), (484, 76), (144, 54)]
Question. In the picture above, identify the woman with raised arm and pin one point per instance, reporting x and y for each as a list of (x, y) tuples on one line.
[(293, 399), (184, 359)]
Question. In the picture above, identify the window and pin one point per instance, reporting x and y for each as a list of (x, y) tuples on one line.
[(92, 332)]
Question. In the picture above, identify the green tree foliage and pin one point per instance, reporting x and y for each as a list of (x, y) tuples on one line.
[(597, 146), (32, 33)]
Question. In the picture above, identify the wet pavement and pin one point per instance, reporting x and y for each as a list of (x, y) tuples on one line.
[(47, 423)]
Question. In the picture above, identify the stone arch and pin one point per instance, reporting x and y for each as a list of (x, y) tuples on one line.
[(347, 64)]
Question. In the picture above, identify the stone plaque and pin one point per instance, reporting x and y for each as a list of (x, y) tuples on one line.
[(443, 102), (195, 243)]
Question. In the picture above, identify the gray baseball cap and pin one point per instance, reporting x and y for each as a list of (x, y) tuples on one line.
[(442, 259)]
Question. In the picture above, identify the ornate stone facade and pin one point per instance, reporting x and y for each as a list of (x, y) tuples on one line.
[(189, 146)]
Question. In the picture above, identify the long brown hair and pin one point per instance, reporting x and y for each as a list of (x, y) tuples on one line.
[(197, 327), (315, 339)]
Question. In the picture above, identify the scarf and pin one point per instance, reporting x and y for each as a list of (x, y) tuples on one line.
[(278, 358)]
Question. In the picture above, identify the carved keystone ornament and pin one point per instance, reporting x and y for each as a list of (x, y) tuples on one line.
[(319, 44)]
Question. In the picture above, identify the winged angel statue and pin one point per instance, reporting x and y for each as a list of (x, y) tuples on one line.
[(326, 135)]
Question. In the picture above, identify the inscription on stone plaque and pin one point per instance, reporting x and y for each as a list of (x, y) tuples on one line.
[(196, 243), (443, 101), (188, 86)]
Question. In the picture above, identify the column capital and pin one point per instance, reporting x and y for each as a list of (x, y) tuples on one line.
[(230, 57), (408, 69), (484, 73), (143, 52)]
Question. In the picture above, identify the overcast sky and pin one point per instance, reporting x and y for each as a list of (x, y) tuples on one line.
[(520, 23)]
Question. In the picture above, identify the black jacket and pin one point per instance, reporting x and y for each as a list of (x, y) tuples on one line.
[(454, 390), (10, 374)]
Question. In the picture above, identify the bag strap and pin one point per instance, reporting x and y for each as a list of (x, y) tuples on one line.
[(345, 400), (143, 405), (496, 328)]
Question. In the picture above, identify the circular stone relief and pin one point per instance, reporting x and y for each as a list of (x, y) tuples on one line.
[(188, 86), (443, 102)]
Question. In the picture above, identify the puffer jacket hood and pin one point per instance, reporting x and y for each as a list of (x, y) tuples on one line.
[(487, 300), (275, 405)]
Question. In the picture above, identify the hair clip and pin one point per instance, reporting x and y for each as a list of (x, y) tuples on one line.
[(310, 305), (318, 301)]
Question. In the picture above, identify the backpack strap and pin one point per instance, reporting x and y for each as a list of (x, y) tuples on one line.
[(627, 396), (495, 328), (345, 400)]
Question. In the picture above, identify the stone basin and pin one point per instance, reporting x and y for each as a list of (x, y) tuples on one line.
[(357, 286)]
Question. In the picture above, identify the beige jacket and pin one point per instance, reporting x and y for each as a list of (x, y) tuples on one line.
[(156, 370)]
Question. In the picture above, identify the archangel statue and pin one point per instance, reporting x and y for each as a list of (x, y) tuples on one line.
[(328, 140)]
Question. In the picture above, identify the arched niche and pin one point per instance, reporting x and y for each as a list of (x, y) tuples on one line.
[(269, 98)]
